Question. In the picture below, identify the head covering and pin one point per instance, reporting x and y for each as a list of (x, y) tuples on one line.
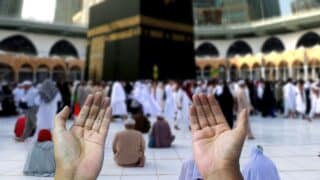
[(241, 82), (48, 91), (118, 94), (260, 167), (130, 121), (27, 83), (44, 135)]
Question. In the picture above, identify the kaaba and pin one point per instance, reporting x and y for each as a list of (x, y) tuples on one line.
[(141, 39)]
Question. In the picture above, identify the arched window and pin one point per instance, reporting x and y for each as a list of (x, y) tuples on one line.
[(64, 48), (58, 73), (207, 49), (272, 44), (309, 39), (18, 44), (6, 73), (43, 73), (75, 73), (26, 73), (239, 48)]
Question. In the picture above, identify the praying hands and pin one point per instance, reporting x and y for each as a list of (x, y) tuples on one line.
[(216, 147), (79, 151)]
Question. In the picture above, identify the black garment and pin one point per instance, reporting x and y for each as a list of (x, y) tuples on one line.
[(255, 101), (128, 88), (7, 102), (308, 101), (65, 94), (226, 103), (268, 101)]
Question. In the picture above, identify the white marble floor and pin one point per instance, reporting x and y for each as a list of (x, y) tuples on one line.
[(293, 145)]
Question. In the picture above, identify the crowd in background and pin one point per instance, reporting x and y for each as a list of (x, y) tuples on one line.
[(290, 98), (140, 103)]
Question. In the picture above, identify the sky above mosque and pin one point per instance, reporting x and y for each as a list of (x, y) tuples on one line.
[(44, 10), (39, 10)]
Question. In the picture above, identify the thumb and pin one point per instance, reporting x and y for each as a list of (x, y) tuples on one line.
[(243, 122), (61, 118)]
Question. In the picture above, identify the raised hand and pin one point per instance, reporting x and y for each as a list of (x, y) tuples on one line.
[(216, 147), (79, 151)]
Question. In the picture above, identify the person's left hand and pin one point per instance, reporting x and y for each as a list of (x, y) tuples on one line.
[(216, 147), (79, 151)]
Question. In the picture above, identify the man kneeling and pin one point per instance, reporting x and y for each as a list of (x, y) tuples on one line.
[(128, 146), (161, 136)]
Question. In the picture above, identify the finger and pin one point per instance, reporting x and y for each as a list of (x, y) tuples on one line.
[(215, 108), (84, 111), (194, 119), (94, 110), (243, 123), (200, 112), (61, 119), (106, 122), (207, 110), (98, 121)]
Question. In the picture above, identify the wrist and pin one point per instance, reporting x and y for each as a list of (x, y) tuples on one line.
[(226, 172), (63, 174)]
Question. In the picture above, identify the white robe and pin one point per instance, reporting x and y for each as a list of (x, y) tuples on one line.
[(118, 100), (150, 105), (170, 105), (46, 114), (183, 103), (300, 102), (159, 93), (289, 94), (142, 94), (315, 104), (18, 94)]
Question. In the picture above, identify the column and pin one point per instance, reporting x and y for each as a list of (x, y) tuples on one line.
[(34, 76), (314, 76), (16, 75), (263, 72), (51, 74), (201, 74), (228, 74), (251, 74), (290, 71), (306, 73), (277, 73)]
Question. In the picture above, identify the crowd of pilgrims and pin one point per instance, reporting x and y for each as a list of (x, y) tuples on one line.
[(137, 103)]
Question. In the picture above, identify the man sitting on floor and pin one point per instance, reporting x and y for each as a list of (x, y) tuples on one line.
[(128, 146), (161, 136)]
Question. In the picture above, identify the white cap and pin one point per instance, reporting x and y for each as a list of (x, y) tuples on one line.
[(130, 121), (241, 82), (27, 83), (160, 114)]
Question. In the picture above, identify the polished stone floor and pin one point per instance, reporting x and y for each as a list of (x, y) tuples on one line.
[(293, 145)]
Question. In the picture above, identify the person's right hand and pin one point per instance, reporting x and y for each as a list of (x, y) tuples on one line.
[(216, 147), (79, 151)]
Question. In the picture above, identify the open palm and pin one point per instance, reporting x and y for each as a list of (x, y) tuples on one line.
[(80, 150), (215, 145)]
